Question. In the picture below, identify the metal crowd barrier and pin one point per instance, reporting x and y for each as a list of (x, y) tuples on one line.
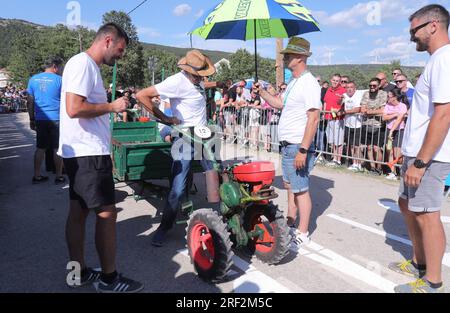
[(352, 140)]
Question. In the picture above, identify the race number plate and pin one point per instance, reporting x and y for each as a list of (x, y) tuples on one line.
[(203, 132)]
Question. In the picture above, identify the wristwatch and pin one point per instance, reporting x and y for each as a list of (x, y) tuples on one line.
[(420, 164), (303, 150)]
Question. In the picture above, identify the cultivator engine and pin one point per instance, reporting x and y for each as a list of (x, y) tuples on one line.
[(247, 219)]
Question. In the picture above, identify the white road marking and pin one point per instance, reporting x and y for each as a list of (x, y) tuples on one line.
[(393, 206), (252, 281), (10, 157), (15, 147), (445, 261), (332, 259)]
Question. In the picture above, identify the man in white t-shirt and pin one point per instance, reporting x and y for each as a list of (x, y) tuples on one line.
[(297, 128), (85, 146), (353, 123), (426, 147), (186, 92)]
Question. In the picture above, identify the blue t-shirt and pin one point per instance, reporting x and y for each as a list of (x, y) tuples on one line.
[(409, 95), (46, 90)]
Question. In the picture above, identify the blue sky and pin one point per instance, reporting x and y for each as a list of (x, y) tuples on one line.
[(352, 31)]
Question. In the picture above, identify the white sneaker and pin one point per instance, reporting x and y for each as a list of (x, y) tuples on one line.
[(300, 239), (391, 176), (353, 168)]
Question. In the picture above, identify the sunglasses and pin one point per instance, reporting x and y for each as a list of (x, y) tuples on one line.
[(399, 81), (344, 82), (373, 86), (395, 73), (414, 30)]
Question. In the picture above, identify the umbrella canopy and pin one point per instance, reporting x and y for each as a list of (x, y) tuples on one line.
[(235, 19), (253, 19)]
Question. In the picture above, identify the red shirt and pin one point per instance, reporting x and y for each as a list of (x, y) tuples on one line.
[(333, 101)]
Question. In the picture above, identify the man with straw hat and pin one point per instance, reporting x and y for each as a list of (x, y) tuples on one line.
[(186, 91), (297, 128)]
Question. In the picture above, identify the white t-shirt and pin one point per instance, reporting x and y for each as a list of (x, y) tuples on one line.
[(302, 94), (162, 108), (432, 87), (353, 120), (80, 137), (187, 102)]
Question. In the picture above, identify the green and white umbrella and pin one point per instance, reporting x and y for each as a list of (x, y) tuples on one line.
[(254, 19)]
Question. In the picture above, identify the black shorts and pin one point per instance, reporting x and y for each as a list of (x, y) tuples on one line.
[(372, 136), (91, 181), (398, 138), (47, 135), (353, 136)]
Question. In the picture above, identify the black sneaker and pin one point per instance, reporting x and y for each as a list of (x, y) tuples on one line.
[(39, 179), (91, 276), (159, 238), (119, 285), (60, 180)]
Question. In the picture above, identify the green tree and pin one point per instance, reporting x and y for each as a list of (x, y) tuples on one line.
[(131, 66), (25, 59)]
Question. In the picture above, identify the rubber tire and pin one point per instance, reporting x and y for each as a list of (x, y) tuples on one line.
[(280, 232), (222, 244)]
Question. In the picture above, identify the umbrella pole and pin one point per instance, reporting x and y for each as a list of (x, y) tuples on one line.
[(256, 53)]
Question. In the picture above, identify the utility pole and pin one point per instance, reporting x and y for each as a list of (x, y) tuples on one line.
[(80, 39), (152, 63), (279, 62)]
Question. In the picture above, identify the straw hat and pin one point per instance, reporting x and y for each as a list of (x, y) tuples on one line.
[(298, 45), (196, 63)]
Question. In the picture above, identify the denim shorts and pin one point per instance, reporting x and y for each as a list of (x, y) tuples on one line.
[(297, 179)]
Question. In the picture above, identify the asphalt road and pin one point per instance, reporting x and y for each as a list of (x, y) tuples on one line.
[(355, 228)]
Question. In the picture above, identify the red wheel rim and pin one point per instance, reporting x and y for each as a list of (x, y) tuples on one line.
[(202, 246), (265, 243)]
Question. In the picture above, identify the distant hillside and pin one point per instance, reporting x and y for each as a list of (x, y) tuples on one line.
[(180, 52), (6, 22)]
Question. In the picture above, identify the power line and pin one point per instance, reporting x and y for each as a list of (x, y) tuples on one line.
[(137, 7)]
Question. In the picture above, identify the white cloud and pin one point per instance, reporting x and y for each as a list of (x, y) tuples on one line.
[(395, 48), (379, 42), (356, 16), (148, 32), (199, 13), (182, 9)]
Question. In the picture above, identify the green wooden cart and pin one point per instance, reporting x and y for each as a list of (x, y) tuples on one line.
[(139, 155)]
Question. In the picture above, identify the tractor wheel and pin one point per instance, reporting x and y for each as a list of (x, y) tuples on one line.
[(273, 245), (209, 245)]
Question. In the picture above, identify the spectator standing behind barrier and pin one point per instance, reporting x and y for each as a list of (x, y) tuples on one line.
[(44, 100), (395, 113), (297, 128), (85, 145), (384, 83), (373, 136), (426, 148), (353, 122), (395, 73), (335, 128), (254, 117), (402, 83)]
